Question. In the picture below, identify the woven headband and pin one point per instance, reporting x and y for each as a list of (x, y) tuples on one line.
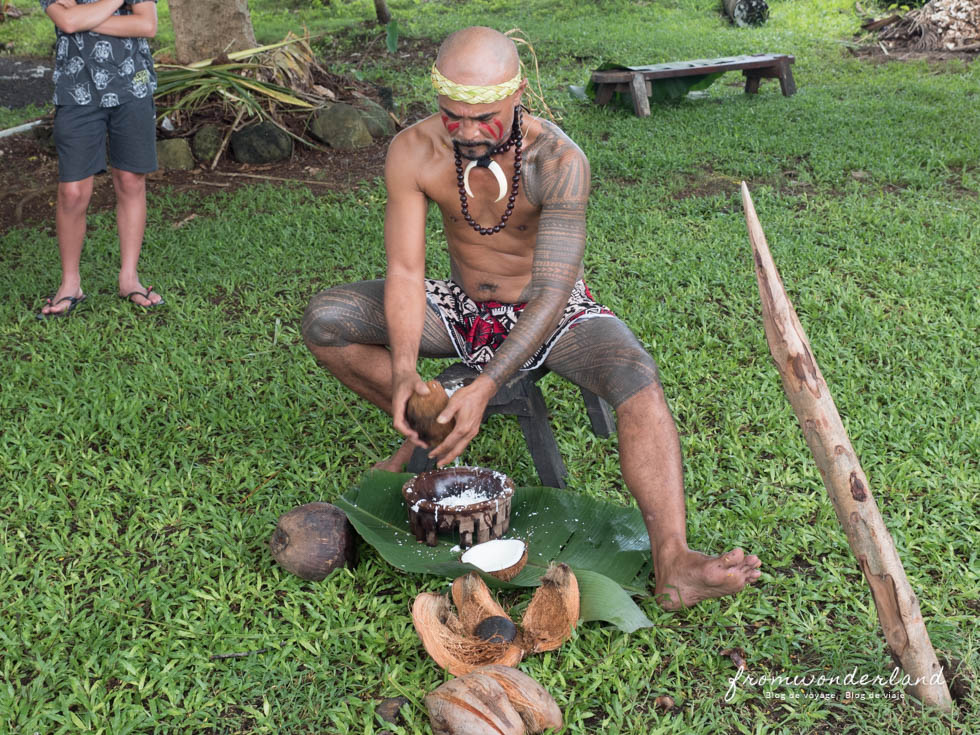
[(472, 93)]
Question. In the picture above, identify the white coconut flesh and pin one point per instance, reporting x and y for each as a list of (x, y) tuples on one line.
[(493, 556)]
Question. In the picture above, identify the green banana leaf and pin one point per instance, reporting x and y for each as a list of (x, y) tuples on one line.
[(605, 545), (673, 89)]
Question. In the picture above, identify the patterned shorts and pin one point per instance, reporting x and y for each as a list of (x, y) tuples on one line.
[(478, 328)]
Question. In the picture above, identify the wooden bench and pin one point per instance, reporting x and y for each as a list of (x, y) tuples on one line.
[(521, 397), (636, 81)]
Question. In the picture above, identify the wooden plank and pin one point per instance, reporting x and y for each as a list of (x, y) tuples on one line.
[(600, 413), (638, 90), (786, 82), (603, 93), (691, 68)]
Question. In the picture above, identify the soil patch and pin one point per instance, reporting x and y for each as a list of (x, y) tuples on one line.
[(29, 177), (29, 163), (29, 172), (875, 53), (25, 80)]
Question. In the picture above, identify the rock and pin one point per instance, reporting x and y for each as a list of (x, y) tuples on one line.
[(206, 143), (44, 135), (261, 143), (389, 708), (341, 126), (175, 154), (379, 122), (387, 97)]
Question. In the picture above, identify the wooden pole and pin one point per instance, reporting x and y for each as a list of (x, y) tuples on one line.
[(872, 545)]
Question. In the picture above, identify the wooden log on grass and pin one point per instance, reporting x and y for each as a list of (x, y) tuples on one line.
[(746, 12), (872, 545)]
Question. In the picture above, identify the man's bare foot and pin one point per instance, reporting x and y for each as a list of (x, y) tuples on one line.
[(397, 461), (691, 577)]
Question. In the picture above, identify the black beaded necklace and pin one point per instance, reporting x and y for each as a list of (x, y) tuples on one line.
[(516, 140)]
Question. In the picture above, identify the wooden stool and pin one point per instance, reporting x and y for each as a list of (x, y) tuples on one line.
[(521, 397), (637, 80)]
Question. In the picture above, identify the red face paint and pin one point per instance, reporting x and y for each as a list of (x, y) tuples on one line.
[(452, 127), (494, 128)]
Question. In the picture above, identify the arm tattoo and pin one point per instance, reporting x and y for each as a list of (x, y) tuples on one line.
[(556, 179)]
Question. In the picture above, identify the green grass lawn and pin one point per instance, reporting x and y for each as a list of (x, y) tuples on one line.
[(145, 457)]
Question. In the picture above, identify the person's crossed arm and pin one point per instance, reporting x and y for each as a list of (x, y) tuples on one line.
[(72, 17), (558, 182)]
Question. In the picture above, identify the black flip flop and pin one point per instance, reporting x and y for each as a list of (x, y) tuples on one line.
[(73, 302), (145, 294)]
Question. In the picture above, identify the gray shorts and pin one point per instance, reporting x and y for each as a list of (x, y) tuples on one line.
[(80, 136)]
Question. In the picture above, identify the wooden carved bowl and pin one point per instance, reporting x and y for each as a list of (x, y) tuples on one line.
[(472, 502)]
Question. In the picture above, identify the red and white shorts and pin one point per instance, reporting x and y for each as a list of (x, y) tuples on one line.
[(478, 328)]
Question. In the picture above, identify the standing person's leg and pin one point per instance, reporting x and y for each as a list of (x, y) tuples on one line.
[(69, 218), (79, 136), (132, 150), (603, 355)]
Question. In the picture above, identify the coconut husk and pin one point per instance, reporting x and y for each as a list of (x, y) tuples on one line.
[(533, 703), (472, 705), (313, 540), (421, 413), (474, 602), (553, 611), (949, 25), (450, 645)]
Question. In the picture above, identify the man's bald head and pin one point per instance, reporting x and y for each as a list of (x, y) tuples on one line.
[(478, 56)]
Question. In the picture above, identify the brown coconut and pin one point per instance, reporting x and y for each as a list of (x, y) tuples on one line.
[(533, 703), (553, 611), (421, 413), (313, 540), (450, 645), (474, 602), (472, 705)]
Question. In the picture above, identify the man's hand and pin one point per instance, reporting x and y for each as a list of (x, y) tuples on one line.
[(403, 385), (65, 3), (467, 406)]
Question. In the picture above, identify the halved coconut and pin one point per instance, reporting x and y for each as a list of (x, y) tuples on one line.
[(449, 644), (501, 558), (472, 705), (553, 611), (474, 602), (533, 703)]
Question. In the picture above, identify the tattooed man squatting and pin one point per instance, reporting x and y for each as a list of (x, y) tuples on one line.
[(512, 190)]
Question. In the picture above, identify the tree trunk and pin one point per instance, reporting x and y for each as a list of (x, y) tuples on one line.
[(203, 30), (381, 10), (872, 545), (747, 12)]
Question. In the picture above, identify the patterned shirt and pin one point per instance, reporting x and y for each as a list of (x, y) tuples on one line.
[(95, 69)]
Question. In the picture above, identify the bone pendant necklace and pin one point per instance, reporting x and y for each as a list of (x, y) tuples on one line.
[(463, 177)]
